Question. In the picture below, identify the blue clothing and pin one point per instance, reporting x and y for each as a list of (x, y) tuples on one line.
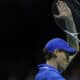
[(47, 72)]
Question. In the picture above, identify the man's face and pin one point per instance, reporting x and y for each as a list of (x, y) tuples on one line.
[(62, 60)]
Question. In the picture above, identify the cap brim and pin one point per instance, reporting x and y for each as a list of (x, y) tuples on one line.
[(70, 50)]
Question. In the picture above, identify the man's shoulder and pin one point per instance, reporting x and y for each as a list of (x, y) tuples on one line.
[(49, 75), (52, 74)]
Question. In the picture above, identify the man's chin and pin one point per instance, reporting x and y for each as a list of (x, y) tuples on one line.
[(64, 68)]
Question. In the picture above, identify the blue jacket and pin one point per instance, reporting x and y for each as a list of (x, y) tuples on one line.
[(47, 72)]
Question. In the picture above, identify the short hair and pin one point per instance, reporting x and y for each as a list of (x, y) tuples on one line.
[(48, 55)]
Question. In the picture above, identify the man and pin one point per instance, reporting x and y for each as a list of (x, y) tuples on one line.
[(57, 51)]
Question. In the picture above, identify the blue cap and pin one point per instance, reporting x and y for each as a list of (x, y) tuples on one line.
[(60, 44)]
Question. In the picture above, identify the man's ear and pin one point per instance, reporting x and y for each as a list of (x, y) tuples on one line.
[(56, 52)]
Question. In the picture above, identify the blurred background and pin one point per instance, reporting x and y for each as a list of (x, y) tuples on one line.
[(25, 27)]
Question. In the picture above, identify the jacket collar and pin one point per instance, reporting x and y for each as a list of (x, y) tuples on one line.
[(48, 67)]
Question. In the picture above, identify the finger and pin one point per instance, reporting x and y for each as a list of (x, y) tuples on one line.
[(66, 5), (58, 7), (56, 16), (61, 4)]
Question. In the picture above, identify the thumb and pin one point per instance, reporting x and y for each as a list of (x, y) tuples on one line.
[(59, 16), (56, 16)]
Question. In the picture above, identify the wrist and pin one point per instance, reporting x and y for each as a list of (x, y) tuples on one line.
[(69, 19)]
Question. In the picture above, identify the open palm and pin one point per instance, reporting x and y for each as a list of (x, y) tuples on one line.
[(64, 10)]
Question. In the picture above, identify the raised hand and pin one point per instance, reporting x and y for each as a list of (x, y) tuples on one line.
[(64, 10)]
